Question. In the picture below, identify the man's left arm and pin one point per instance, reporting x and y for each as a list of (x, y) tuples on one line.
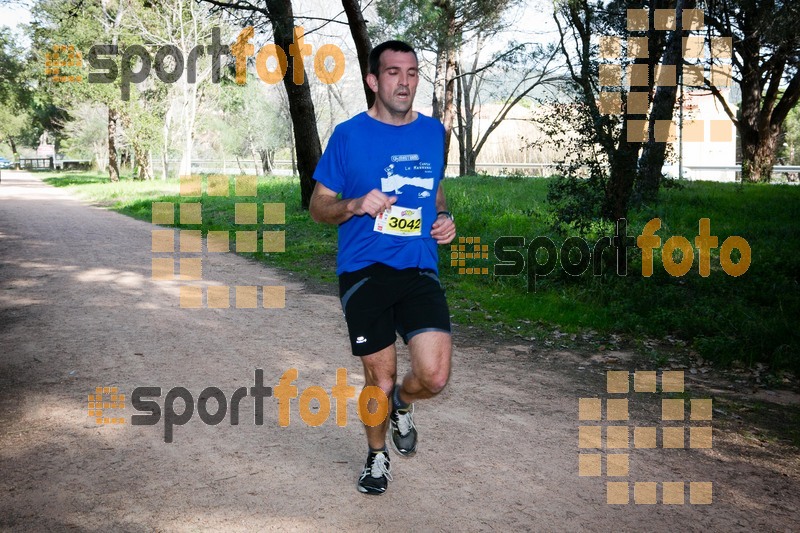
[(444, 229)]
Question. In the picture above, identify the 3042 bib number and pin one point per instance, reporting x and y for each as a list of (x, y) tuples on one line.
[(400, 221)]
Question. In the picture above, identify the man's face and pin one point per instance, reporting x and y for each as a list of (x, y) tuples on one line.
[(396, 83)]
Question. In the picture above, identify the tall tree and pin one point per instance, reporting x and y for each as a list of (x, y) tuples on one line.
[(360, 33), (182, 25), (766, 46), (654, 152), (517, 72), (614, 128), (15, 94), (279, 14), (57, 22)]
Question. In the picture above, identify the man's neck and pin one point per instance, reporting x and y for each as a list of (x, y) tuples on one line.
[(387, 117)]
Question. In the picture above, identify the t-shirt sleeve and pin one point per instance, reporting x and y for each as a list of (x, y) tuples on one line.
[(330, 170)]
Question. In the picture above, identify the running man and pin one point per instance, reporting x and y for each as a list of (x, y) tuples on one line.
[(388, 261)]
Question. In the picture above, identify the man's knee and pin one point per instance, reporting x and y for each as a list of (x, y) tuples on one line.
[(435, 381), (382, 378), (385, 383)]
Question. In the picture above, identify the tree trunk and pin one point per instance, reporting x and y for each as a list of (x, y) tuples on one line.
[(267, 160), (758, 158), (143, 164), (301, 106), (449, 106), (469, 120), (189, 114), (621, 177), (460, 120), (113, 168), (358, 29), (654, 152), (165, 147), (256, 160), (437, 100), (444, 79)]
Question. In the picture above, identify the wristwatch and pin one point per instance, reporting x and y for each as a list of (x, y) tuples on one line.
[(448, 214)]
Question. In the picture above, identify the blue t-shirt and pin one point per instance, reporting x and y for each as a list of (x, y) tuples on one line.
[(404, 161)]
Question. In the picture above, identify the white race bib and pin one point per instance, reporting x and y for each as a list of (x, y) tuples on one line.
[(400, 221)]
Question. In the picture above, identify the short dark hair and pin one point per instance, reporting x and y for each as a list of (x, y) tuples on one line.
[(394, 46)]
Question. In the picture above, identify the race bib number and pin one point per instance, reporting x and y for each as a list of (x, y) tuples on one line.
[(400, 221)]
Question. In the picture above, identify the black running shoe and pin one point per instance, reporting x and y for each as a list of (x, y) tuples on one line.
[(376, 475), (404, 434)]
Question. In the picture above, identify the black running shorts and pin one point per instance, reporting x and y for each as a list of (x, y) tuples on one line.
[(380, 300)]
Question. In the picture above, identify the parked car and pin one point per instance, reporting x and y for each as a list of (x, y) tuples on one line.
[(5, 163)]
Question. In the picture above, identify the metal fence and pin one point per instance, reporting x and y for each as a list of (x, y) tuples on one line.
[(722, 173)]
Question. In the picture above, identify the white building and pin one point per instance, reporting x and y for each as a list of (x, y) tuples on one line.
[(709, 138)]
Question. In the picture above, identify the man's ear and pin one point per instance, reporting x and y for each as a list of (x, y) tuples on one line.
[(372, 81)]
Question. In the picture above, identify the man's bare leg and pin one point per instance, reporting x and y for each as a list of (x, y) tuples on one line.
[(431, 354), (380, 370)]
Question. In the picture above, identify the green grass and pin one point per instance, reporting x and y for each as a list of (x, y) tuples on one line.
[(750, 318)]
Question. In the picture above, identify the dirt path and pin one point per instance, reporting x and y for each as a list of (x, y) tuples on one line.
[(498, 450)]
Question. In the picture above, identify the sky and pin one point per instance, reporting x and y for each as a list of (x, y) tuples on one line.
[(13, 15)]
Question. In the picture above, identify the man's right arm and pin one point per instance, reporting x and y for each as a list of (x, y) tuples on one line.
[(325, 207)]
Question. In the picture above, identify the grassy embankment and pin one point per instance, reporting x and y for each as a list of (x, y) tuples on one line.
[(751, 318)]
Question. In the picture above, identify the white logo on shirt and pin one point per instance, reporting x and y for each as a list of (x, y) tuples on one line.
[(394, 182)]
